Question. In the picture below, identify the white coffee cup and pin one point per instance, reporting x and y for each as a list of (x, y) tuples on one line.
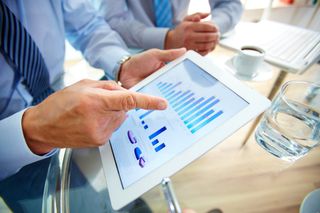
[(248, 60)]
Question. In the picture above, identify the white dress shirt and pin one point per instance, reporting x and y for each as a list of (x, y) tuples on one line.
[(48, 22), (134, 20)]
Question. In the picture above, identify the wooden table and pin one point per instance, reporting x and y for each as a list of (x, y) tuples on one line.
[(238, 175)]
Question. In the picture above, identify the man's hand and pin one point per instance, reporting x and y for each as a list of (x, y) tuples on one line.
[(82, 115), (193, 34), (142, 65)]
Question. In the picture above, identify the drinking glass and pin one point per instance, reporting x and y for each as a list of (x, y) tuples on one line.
[(290, 128)]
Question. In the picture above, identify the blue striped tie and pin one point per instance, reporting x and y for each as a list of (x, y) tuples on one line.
[(163, 13), (23, 55)]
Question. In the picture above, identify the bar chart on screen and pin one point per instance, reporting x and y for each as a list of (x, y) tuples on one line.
[(194, 110), (153, 136)]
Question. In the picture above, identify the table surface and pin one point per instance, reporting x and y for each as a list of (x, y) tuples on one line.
[(235, 176)]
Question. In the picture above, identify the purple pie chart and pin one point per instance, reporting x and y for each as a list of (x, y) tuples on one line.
[(131, 137)]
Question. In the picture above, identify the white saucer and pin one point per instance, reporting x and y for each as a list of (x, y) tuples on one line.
[(264, 71)]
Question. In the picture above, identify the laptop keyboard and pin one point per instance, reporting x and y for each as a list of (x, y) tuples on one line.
[(287, 43)]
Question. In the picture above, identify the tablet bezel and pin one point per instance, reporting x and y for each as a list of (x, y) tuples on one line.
[(256, 104)]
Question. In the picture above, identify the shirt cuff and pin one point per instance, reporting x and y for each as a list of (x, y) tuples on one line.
[(14, 151), (153, 37), (109, 59)]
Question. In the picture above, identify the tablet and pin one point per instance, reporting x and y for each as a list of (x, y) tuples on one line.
[(205, 105)]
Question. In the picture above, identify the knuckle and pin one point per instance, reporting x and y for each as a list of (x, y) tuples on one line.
[(128, 102)]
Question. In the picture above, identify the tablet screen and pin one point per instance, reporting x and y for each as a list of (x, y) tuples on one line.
[(198, 103)]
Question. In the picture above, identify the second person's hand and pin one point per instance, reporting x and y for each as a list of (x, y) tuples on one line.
[(193, 34), (144, 64)]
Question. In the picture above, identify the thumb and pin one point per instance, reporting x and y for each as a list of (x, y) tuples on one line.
[(196, 17), (170, 55), (126, 100)]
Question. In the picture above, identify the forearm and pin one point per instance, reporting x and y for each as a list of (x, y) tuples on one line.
[(100, 45), (226, 13), (136, 34)]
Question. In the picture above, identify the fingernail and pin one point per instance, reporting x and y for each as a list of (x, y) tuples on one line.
[(162, 105)]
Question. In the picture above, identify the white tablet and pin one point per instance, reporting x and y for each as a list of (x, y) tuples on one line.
[(206, 105)]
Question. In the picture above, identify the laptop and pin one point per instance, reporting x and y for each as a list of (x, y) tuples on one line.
[(291, 48)]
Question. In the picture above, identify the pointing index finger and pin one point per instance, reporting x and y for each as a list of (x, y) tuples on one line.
[(127, 100)]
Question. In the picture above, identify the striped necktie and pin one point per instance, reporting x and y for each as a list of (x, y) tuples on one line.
[(163, 13), (23, 55)]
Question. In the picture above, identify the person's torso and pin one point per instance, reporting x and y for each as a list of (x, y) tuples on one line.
[(44, 22), (143, 10)]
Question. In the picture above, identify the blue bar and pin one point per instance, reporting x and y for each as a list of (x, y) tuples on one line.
[(161, 146), (181, 96), (196, 108), (165, 87), (171, 88), (161, 86), (206, 122), (142, 122), (155, 134), (145, 127), (166, 96), (184, 104), (191, 106), (155, 142), (182, 101), (173, 96), (201, 111), (145, 114), (198, 120)]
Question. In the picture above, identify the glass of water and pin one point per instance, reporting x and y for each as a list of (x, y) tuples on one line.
[(290, 128)]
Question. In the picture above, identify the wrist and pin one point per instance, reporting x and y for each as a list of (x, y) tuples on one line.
[(122, 68), (169, 40), (32, 134)]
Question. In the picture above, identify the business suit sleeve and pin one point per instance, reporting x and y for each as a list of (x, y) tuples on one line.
[(133, 32), (226, 13), (14, 151), (91, 34)]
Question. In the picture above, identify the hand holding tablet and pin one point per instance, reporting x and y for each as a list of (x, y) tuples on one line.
[(205, 105)]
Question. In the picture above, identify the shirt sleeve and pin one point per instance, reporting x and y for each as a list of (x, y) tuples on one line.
[(133, 32), (226, 13), (14, 151), (92, 35)]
